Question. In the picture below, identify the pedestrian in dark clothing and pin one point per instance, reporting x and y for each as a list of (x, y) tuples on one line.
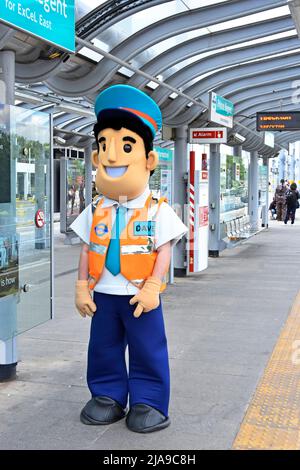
[(272, 209), (280, 199), (292, 196)]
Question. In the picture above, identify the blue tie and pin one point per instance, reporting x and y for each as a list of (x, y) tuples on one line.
[(112, 261)]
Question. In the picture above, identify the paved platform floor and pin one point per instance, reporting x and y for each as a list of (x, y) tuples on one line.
[(222, 326)]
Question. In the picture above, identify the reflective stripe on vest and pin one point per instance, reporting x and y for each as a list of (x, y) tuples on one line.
[(137, 255)]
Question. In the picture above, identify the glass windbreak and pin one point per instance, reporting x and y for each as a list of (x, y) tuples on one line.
[(263, 183), (234, 187), (25, 220)]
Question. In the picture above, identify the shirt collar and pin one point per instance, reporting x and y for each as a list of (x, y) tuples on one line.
[(137, 203)]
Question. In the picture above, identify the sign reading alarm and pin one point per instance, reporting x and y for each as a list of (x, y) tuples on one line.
[(39, 218), (208, 135)]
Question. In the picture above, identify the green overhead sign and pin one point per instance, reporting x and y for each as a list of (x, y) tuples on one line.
[(51, 20), (165, 155), (221, 110)]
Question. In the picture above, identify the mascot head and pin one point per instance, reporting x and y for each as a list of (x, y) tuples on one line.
[(127, 121)]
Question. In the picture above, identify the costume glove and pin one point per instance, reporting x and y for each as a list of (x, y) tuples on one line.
[(148, 297), (83, 299)]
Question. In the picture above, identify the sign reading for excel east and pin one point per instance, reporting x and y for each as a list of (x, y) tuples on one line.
[(51, 20), (208, 135), (280, 121)]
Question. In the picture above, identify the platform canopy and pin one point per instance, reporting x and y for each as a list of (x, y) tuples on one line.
[(177, 51)]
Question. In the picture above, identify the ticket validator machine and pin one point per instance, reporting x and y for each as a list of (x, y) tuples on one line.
[(26, 275)]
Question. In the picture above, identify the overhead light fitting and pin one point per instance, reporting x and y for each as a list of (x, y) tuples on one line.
[(68, 108), (59, 140), (28, 98)]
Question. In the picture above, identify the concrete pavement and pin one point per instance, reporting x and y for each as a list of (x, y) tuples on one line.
[(222, 326)]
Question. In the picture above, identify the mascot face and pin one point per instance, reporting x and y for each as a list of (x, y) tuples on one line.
[(123, 168)]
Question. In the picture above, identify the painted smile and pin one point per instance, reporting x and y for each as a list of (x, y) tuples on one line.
[(115, 171)]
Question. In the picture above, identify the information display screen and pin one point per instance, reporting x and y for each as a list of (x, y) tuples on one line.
[(280, 121)]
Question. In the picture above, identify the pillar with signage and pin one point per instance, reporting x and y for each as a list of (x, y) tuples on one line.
[(198, 198), (198, 215), (201, 196)]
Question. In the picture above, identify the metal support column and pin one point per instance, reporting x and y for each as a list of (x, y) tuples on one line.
[(214, 201), (180, 195), (8, 305), (282, 164), (297, 163), (265, 209), (253, 191), (7, 77), (237, 150), (88, 173), (292, 166)]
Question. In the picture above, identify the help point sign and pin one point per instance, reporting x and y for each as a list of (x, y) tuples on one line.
[(50, 20)]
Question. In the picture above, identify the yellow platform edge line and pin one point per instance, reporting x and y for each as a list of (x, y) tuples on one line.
[(272, 420)]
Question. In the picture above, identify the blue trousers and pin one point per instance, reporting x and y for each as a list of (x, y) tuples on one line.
[(114, 327)]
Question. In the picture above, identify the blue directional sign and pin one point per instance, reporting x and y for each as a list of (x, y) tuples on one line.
[(50, 20)]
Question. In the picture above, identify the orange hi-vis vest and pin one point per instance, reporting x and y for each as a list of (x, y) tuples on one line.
[(137, 254)]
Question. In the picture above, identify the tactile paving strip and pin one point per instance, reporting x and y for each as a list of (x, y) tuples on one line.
[(272, 420)]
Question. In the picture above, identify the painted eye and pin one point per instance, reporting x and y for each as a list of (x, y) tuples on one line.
[(127, 148), (104, 147)]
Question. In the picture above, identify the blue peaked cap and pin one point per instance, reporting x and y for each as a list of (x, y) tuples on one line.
[(132, 100)]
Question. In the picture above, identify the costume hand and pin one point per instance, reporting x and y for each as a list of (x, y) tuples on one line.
[(148, 297), (83, 299)]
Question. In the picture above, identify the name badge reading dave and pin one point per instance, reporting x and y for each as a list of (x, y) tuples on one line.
[(144, 229)]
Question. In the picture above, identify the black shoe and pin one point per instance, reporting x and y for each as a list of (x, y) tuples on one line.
[(143, 419), (101, 410)]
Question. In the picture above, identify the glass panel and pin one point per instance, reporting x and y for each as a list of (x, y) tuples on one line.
[(234, 185), (263, 182), (75, 189), (25, 220)]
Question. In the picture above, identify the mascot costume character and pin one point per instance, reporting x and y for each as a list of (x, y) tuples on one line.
[(127, 237)]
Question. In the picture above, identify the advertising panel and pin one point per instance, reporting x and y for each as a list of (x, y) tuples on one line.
[(9, 265), (75, 189), (161, 181)]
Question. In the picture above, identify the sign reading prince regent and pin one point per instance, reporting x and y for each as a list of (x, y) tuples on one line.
[(51, 20)]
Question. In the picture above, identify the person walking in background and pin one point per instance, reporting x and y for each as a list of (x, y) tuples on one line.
[(292, 203), (280, 199)]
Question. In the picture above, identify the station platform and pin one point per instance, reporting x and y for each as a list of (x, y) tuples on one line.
[(233, 335)]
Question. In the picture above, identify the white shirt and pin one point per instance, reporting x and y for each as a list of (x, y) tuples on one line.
[(168, 228)]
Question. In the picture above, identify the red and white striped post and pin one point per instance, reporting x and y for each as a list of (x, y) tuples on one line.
[(191, 251)]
